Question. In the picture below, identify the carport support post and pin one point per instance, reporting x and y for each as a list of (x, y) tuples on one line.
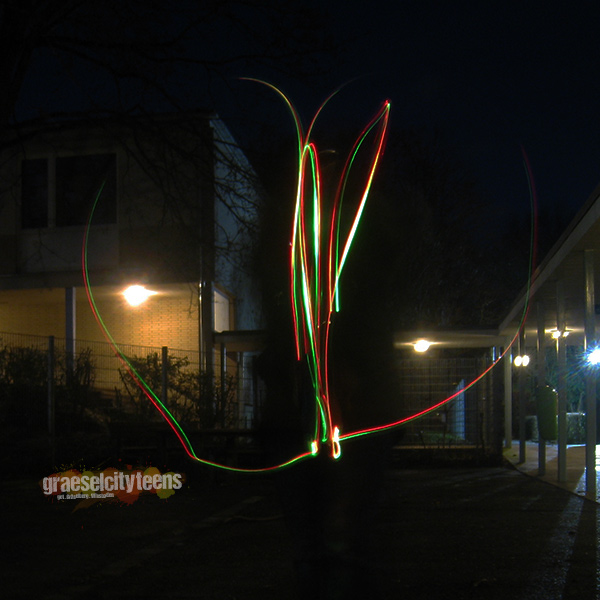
[(561, 349), (541, 379), (522, 407), (508, 396), (590, 377)]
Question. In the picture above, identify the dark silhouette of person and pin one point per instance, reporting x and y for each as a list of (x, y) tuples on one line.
[(330, 504)]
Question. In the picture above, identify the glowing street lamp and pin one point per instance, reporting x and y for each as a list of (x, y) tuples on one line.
[(137, 294)]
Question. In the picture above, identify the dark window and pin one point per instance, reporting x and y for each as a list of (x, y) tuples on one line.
[(79, 181), (34, 193)]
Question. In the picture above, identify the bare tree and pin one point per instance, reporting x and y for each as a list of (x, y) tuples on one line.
[(120, 61), (121, 55)]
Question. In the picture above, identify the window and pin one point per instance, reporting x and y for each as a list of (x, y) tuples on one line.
[(60, 192), (222, 310), (34, 191)]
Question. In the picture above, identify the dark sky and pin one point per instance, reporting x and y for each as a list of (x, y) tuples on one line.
[(495, 76), (492, 76)]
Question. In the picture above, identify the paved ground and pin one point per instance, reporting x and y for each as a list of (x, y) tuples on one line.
[(575, 480), (492, 533)]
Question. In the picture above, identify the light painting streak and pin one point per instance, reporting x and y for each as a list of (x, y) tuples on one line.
[(318, 253), (148, 392), (530, 278)]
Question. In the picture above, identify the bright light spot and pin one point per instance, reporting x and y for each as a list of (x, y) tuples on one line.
[(421, 345), (593, 357), (525, 360), (136, 294), (337, 449), (555, 334), (521, 361)]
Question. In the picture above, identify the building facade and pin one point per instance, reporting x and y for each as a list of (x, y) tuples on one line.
[(173, 202)]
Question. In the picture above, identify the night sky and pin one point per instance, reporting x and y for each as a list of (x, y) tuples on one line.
[(492, 76)]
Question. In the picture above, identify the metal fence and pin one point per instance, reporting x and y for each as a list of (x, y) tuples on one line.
[(472, 418), (229, 396), (44, 382)]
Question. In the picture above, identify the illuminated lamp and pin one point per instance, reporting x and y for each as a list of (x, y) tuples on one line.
[(421, 345), (593, 357), (521, 361), (137, 294)]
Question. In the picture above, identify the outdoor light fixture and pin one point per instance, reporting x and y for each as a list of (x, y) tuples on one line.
[(557, 333), (421, 345), (593, 357), (521, 361), (136, 294)]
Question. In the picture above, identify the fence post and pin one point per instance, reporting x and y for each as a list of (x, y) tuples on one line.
[(164, 392), (51, 399), (70, 331), (223, 367)]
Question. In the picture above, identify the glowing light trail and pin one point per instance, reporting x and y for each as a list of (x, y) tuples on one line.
[(152, 397), (533, 239), (318, 254)]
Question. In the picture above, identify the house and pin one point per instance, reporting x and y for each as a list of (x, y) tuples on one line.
[(175, 202)]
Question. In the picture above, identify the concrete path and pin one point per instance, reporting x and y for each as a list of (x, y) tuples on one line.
[(575, 480)]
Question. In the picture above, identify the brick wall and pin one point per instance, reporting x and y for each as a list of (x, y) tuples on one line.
[(169, 318)]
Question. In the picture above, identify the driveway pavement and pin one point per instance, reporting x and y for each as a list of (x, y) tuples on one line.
[(455, 533)]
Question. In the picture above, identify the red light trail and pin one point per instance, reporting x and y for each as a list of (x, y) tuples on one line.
[(322, 233)]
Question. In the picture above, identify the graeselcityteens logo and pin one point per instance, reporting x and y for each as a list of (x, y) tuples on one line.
[(116, 485)]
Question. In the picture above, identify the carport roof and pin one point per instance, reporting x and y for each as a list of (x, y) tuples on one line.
[(564, 263), (449, 339)]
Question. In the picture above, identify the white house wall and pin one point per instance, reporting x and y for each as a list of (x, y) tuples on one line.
[(237, 199)]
